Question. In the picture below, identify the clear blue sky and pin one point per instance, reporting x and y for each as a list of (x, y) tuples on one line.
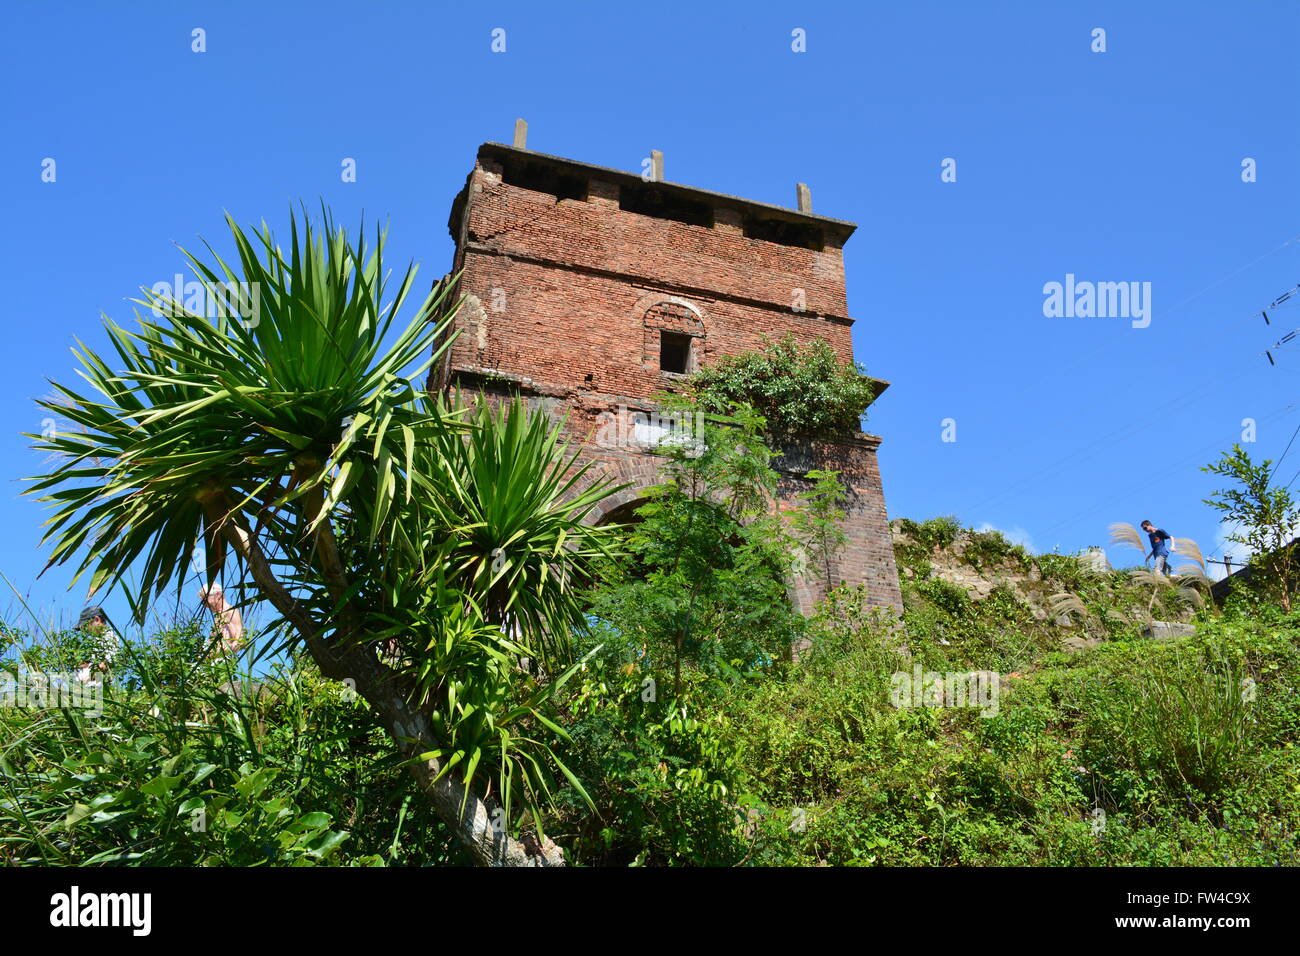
[(1115, 166)]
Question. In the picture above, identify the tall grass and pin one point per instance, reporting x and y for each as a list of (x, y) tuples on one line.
[(1176, 720)]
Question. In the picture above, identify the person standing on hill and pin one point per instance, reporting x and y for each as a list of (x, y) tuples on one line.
[(1160, 541)]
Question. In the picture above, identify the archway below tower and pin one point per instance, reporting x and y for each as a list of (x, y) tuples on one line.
[(625, 513)]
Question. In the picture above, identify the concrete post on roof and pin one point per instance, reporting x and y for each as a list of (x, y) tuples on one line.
[(803, 197), (656, 166), (521, 134)]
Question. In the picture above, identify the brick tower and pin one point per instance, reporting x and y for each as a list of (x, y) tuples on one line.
[(589, 290)]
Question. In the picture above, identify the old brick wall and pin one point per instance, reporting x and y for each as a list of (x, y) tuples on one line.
[(868, 555), (566, 299)]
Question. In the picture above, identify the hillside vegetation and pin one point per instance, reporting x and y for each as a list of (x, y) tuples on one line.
[(1121, 751)]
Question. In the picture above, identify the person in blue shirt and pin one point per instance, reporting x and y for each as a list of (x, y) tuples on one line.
[(1160, 541)]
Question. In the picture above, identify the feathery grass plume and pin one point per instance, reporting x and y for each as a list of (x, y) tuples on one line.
[(1192, 582), (1089, 565), (1146, 578), (1190, 595), (1186, 586), (1123, 533), (1064, 603), (1190, 549)]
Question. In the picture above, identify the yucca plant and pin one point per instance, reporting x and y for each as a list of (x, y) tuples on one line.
[(514, 544), (294, 440)]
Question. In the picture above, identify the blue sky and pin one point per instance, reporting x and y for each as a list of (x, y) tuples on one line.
[(1123, 165)]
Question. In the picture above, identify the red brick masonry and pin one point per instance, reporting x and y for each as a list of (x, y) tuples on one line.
[(572, 273)]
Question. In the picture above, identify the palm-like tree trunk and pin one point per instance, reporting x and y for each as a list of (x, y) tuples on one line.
[(477, 824)]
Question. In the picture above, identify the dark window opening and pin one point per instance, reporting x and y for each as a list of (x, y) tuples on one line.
[(542, 178), (786, 233), (674, 352), (652, 201)]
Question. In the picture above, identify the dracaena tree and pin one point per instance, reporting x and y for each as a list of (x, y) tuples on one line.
[(425, 551)]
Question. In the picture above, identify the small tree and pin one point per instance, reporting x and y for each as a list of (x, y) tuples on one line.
[(818, 523), (706, 586), (1267, 515)]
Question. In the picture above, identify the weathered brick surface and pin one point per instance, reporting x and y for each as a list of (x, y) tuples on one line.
[(566, 299)]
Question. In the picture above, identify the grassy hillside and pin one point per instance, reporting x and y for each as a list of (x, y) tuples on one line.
[(1106, 748), (1093, 746)]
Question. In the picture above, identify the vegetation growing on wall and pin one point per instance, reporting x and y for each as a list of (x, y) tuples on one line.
[(801, 390)]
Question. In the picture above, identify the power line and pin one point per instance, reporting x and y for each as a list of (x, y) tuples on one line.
[(1198, 454), (1059, 372), (1278, 463), (1178, 402), (1167, 410), (1272, 472), (1276, 304)]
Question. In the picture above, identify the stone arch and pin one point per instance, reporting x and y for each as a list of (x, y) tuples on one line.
[(642, 473), (623, 514), (651, 299), (639, 475)]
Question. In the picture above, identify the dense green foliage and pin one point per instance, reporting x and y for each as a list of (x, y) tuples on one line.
[(704, 583), (801, 390), (1129, 752), (190, 762)]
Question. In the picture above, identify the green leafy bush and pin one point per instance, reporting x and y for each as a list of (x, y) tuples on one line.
[(137, 784), (934, 533), (1130, 753), (659, 770), (990, 548), (190, 761), (800, 390)]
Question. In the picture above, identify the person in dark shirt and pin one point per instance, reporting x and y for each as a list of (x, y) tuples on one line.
[(1160, 540)]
